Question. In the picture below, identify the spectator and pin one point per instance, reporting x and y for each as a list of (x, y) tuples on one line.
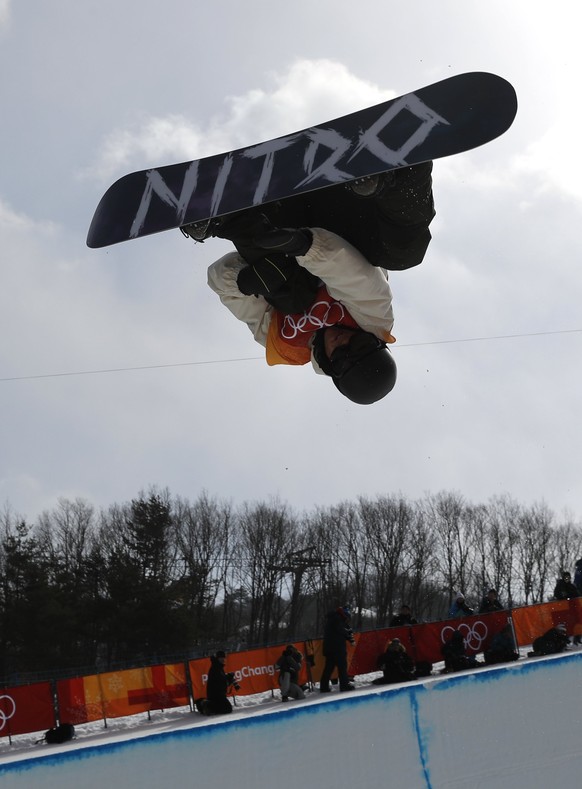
[(490, 603), (335, 637), (217, 687), (396, 664), (553, 641), (455, 657), (502, 647), (564, 588), (459, 607), (578, 575), (404, 617), (289, 665)]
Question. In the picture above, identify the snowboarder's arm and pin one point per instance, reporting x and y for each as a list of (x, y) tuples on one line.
[(253, 310), (348, 276)]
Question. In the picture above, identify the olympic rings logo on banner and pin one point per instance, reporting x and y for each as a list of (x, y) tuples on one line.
[(5, 716), (473, 635)]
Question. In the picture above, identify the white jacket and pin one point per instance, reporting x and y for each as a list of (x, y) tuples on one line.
[(363, 289)]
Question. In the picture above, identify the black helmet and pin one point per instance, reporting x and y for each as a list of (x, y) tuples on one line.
[(363, 370)]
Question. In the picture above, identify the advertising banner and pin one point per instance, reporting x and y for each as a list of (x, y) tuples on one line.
[(26, 708), (533, 621), (119, 693)]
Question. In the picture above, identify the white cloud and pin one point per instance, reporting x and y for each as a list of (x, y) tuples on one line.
[(311, 91), (4, 13), (554, 160)]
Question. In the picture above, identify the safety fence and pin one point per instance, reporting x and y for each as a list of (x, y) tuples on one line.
[(36, 707)]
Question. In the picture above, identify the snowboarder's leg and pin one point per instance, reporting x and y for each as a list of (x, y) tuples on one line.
[(404, 210)]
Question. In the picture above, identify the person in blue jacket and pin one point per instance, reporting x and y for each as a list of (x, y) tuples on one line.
[(459, 607)]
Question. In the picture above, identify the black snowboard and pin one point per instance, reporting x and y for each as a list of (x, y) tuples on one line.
[(449, 117)]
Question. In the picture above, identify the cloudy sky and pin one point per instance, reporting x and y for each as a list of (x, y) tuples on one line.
[(489, 327)]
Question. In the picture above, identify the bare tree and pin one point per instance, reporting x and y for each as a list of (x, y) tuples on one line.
[(268, 534), (203, 537), (503, 514), (388, 523), (418, 585), (455, 539)]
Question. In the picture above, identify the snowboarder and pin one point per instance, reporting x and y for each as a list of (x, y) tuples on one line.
[(309, 293)]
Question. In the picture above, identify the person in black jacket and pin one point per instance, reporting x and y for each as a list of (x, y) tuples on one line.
[(553, 641), (335, 637), (453, 652), (217, 686), (403, 617), (565, 589), (396, 664), (578, 575), (502, 647), (490, 603)]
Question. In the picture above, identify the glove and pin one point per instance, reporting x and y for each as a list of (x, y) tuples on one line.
[(285, 284), (265, 276), (288, 241)]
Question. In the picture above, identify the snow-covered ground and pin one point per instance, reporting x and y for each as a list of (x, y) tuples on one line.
[(511, 726)]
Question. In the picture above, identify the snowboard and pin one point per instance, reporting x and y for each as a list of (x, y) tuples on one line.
[(445, 118)]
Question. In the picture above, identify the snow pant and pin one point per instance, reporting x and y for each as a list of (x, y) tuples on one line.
[(390, 228), (339, 660), (289, 688)]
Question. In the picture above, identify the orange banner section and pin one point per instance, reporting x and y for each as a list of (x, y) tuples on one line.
[(26, 709), (533, 621), (119, 693), (254, 670), (76, 705)]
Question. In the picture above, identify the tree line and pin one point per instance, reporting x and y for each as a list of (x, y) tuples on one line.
[(163, 576)]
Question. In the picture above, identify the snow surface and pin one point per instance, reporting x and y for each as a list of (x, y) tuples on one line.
[(510, 726)]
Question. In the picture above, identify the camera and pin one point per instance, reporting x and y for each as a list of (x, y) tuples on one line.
[(230, 678)]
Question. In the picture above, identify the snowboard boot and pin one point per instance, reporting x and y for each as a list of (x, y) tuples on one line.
[(372, 185), (199, 231)]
